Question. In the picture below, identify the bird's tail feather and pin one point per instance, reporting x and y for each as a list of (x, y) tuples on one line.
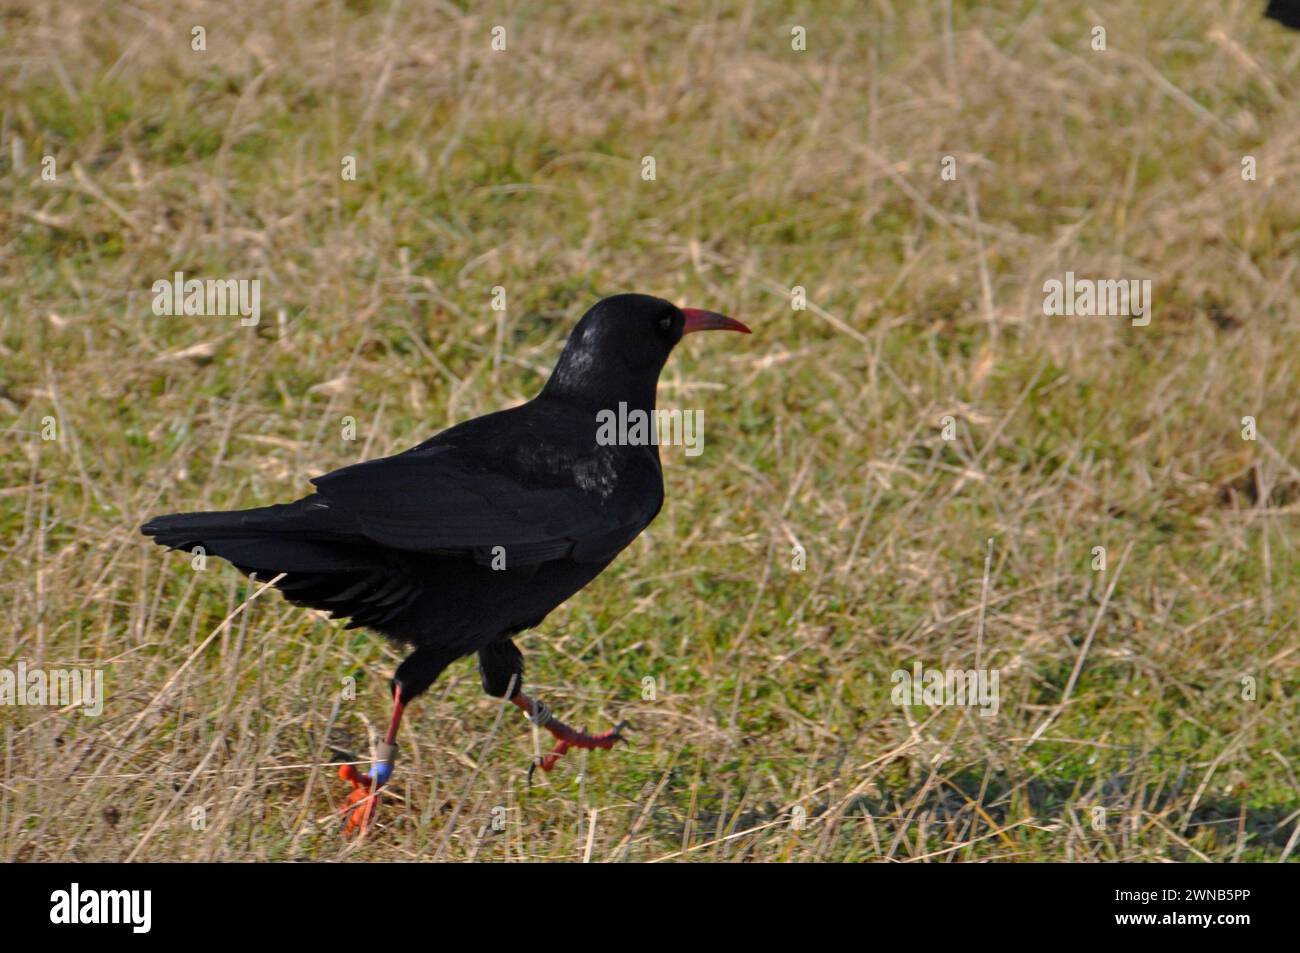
[(285, 538), (177, 530), (325, 565)]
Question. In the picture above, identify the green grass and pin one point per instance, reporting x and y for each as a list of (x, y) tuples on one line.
[(775, 169)]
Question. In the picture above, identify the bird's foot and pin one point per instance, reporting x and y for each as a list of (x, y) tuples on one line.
[(539, 713), (567, 738), (361, 803)]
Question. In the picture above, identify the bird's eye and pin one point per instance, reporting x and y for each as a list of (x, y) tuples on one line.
[(666, 323)]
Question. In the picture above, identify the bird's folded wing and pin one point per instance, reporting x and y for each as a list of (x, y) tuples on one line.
[(431, 500)]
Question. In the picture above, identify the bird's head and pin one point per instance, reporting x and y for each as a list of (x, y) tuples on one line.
[(621, 344)]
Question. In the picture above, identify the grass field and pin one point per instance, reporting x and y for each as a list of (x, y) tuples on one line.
[(1148, 711)]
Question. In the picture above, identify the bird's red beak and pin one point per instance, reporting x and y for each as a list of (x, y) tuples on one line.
[(697, 320)]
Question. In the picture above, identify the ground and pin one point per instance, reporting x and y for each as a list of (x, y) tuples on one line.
[(918, 171)]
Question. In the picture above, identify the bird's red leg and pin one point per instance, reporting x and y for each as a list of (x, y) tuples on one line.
[(365, 787), (565, 737)]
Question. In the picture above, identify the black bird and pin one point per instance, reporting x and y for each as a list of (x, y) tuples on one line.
[(458, 544)]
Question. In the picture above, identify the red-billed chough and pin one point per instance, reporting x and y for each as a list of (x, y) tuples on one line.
[(475, 535)]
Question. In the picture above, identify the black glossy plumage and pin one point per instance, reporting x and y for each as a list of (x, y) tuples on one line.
[(405, 545)]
